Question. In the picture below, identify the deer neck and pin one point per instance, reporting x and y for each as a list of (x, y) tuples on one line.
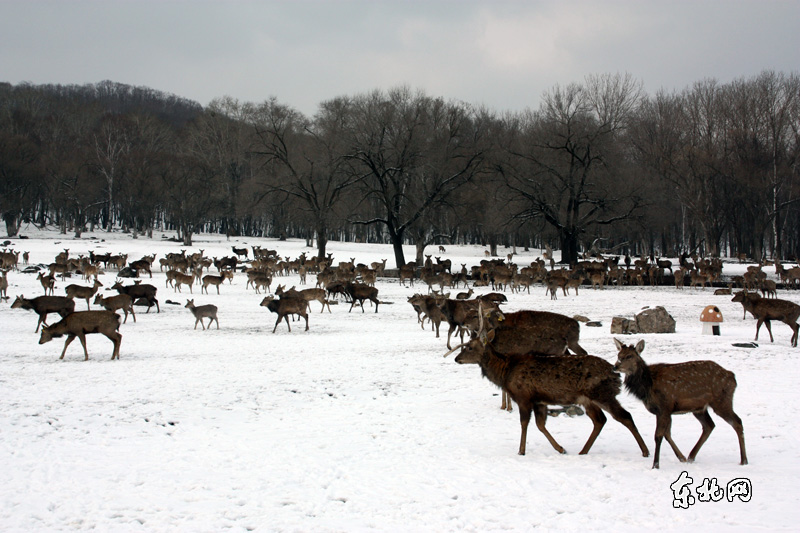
[(494, 367), (640, 382)]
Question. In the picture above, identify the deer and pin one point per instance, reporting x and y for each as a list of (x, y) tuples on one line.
[(522, 332), (284, 307), (766, 309), (690, 387), (141, 264), (211, 279), (137, 291), (535, 381), (44, 305), (115, 303), (359, 292), (3, 284), (240, 251), (79, 291), (203, 311), (80, 324), (183, 279)]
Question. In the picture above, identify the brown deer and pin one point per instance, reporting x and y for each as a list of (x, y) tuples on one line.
[(284, 307), (183, 279), (766, 309), (690, 387), (359, 292), (4, 284), (535, 381), (137, 291), (203, 311), (523, 332), (48, 282), (82, 323), (79, 291), (44, 305), (211, 279), (115, 303)]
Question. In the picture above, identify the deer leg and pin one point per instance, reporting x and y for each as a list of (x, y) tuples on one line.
[(116, 338), (82, 338), (132, 314), (726, 413), (624, 417), (708, 427), (70, 338), (505, 405), (796, 328), (306, 317), (276, 323), (540, 413), (524, 419), (769, 329), (668, 435), (598, 420)]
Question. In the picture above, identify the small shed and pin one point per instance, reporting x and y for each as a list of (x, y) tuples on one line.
[(711, 317)]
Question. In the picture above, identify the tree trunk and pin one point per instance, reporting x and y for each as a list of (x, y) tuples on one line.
[(12, 223)]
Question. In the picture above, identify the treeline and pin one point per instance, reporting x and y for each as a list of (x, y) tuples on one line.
[(599, 166)]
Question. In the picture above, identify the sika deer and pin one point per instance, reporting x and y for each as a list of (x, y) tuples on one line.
[(3, 284), (766, 309), (82, 323), (115, 303), (137, 291), (215, 280), (535, 381), (359, 292), (79, 291), (668, 389), (44, 305), (201, 312), (284, 307), (48, 282)]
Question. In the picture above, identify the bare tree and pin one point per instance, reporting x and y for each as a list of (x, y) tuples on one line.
[(414, 152), (569, 167)]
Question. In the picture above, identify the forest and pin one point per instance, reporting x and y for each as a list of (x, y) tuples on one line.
[(599, 167)]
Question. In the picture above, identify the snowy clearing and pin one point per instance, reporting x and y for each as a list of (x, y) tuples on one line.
[(360, 424)]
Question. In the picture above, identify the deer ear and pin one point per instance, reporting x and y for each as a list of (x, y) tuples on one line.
[(618, 344), (640, 346), (490, 335)]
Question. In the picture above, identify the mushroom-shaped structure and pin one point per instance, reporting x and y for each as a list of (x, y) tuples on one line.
[(711, 317)]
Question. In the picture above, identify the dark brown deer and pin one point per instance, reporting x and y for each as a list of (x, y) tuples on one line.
[(81, 324), (115, 303), (359, 292), (284, 307), (535, 381), (141, 264), (767, 309), (203, 311), (137, 291), (44, 305), (79, 291), (690, 387)]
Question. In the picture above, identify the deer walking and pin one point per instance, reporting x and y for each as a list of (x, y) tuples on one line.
[(115, 303), (767, 309), (535, 381), (44, 305), (79, 291), (203, 311), (692, 387), (80, 324)]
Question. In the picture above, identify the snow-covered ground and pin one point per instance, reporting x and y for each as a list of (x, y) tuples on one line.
[(360, 424)]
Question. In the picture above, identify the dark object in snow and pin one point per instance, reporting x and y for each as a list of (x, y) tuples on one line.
[(745, 344)]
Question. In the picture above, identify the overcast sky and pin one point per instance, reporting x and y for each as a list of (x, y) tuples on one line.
[(501, 54)]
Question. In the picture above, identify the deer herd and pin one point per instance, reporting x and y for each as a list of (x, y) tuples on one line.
[(534, 357)]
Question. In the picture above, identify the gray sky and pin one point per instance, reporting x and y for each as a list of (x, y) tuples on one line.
[(501, 54)]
